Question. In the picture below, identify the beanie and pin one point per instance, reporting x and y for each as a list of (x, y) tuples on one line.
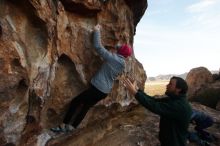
[(125, 50)]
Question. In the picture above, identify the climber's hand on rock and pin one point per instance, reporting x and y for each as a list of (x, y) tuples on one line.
[(97, 27)]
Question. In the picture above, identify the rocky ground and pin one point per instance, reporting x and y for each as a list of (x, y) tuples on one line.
[(123, 126)]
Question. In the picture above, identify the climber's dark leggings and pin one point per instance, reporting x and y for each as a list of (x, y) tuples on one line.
[(81, 104)]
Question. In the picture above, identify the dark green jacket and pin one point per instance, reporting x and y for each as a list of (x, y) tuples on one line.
[(174, 115)]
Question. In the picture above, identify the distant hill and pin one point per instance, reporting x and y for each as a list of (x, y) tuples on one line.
[(168, 76)]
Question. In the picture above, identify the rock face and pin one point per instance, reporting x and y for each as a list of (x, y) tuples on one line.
[(117, 126), (218, 105), (47, 58), (129, 126), (204, 87), (196, 78)]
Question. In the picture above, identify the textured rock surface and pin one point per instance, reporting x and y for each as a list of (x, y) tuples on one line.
[(114, 126), (218, 105), (130, 126), (196, 78), (204, 87), (47, 58)]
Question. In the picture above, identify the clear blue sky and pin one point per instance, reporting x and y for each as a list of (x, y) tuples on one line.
[(175, 36)]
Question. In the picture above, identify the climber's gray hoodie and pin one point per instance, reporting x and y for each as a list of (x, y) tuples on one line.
[(113, 65)]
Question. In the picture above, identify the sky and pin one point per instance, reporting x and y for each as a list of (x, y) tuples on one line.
[(175, 36)]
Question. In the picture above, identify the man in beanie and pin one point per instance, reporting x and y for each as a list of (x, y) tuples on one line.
[(101, 83)]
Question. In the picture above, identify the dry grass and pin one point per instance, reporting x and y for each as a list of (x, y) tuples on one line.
[(156, 87)]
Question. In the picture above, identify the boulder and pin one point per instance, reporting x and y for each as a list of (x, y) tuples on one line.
[(47, 58), (203, 88), (196, 79), (122, 126)]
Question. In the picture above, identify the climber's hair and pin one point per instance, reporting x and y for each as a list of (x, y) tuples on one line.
[(181, 84)]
